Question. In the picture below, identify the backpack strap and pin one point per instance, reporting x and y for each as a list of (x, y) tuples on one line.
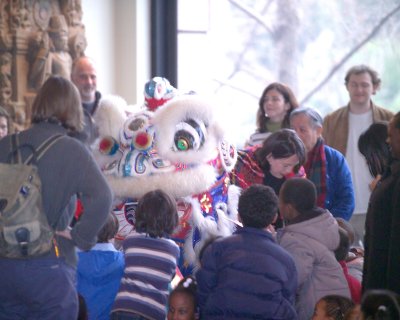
[(14, 155), (14, 152), (42, 149)]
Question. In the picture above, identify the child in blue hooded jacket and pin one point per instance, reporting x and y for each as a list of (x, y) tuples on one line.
[(99, 272)]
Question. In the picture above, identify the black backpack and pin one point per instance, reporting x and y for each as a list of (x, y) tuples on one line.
[(24, 229)]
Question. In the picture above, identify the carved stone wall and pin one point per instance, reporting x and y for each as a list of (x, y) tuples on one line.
[(37, 38)]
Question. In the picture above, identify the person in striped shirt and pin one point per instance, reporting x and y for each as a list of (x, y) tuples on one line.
[(150, 260)]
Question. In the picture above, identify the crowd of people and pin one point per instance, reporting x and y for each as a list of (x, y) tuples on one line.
[(316, 235)]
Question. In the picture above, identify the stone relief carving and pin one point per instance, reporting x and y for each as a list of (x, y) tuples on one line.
[(49, 54), (38, 38)]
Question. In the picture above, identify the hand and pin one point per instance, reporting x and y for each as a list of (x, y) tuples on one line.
[(271, 229), (65, 233), (374, 182)]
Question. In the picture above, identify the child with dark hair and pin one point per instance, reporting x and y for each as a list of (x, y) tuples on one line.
[(109, 230), (99, 272), (332, 307), (182, 303), (380, 305), (150, 260), (311, 235), (376, 304), (341, 254), (248, 275), (355, 256)]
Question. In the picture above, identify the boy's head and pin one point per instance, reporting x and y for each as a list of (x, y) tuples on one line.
[(258, 206), (109, 229), (342, 250), (199, 250), (332, 307), (380, 304), (297, 196), (346, 225), (156, 214)]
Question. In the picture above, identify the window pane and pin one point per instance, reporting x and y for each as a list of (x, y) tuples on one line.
[(234, 48)]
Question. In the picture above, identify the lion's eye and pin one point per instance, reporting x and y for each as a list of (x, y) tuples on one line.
[(189, 135), (183, 141)]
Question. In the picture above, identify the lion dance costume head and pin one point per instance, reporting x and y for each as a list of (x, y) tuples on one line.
[(179, 147)]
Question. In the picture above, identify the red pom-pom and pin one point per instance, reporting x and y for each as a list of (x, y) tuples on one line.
[(105, 144), (108, 145), (142, 141)]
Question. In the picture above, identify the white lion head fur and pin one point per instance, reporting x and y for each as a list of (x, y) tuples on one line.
[(168, 118), (110, 115)]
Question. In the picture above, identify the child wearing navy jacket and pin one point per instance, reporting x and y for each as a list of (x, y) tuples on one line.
[(248, 275)]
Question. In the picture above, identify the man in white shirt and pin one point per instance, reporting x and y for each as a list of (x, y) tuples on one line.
[(343, 127)]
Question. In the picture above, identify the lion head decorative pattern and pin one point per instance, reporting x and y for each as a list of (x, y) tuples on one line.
[(180, 147)]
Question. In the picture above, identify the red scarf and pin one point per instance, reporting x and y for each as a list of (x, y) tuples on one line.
[(316, 170)]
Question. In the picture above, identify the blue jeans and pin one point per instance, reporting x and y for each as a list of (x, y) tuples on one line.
[(39, 288)]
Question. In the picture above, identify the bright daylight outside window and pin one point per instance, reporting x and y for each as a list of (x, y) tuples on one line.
[(232, 49)]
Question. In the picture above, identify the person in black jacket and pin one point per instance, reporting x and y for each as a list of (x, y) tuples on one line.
[(382, 236)]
